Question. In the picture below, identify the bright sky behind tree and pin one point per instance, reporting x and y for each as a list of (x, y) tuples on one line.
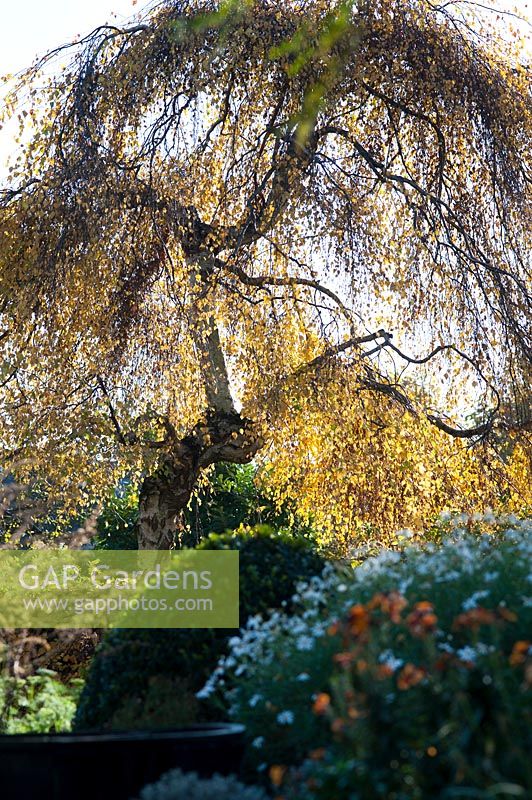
[(31, 27)]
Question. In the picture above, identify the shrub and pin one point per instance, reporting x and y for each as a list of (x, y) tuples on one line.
[(232, 497), (178, 785), (423, 685), (116, 525), (271, 564), (37, 704), (166, 702), (420, 721)]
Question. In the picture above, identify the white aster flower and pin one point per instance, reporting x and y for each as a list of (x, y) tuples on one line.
[(388, 658), (446, 647), (467, 653), (304, 643), (253, 701), (472, 602), (285, 717)]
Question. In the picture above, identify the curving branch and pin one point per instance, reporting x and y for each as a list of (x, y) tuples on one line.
[(463, 433), (379, 383), (261, 281), (114, 419)]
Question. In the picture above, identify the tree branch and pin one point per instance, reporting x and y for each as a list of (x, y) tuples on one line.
[(270, 280), (114, 419)]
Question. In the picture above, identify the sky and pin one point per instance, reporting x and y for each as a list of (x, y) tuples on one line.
[(31, 27)]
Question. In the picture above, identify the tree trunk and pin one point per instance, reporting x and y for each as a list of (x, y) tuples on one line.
[(165, 494), (163, 499), (223, 436)]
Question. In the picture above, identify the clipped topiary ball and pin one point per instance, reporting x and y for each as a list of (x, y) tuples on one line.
[(121, 675)]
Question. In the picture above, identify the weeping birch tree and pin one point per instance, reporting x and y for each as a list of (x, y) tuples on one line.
[(294, 231)]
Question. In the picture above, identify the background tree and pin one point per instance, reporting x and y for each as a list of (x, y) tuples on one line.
[(226, 499), (227, 209)]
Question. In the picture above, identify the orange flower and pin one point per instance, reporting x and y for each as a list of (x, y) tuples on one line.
[(358, 619), (396, 604), (506, 614), (410, 676), (422, 620), (519, 653), (391, 604), (337, 725), (276, 773), (321, 703), (343, 659), (474, 618), (318, 754), (423, 606), (376, 601)]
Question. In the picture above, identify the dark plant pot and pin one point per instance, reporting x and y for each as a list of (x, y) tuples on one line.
[(111, 766)]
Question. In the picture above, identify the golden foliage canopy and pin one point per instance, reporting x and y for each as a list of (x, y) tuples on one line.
[(243, 201)]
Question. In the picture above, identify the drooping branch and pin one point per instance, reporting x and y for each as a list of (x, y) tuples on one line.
[(114, 419), (336, 350), (379, 383), (479, 431)]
